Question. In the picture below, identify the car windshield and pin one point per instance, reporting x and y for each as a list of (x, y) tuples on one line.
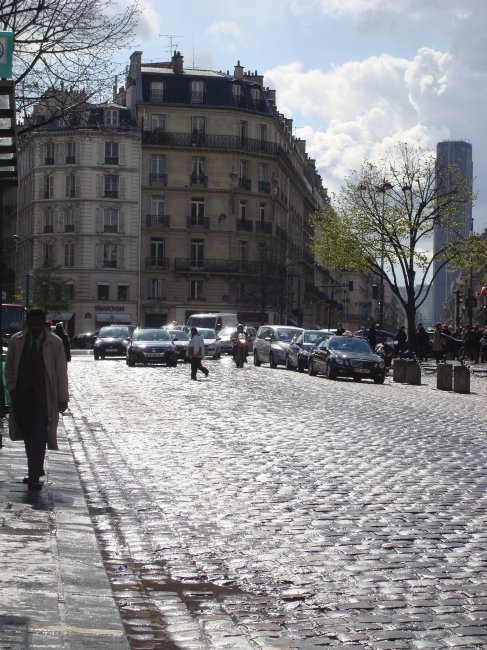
[(113, 332), (152, 335), (179, 335), (206, 334), (314, 337), (285, 335), (350, 345)]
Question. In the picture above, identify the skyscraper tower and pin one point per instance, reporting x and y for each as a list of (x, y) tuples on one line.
[(459, 153)]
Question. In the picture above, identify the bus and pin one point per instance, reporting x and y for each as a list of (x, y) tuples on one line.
[(13, 320)]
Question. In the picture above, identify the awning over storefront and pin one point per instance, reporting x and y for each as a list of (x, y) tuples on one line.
[(103, 317)]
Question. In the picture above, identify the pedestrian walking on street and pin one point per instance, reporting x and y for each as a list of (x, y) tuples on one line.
[(196, 351), (421, 340), (372, 336), (61, 332), (437, 345), (402, 340), (37, 380)]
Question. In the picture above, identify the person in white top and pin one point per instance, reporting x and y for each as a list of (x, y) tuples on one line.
[(196, 351)]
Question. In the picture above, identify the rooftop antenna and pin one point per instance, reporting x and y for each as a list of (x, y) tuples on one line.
[(172, 44), (193, 49)]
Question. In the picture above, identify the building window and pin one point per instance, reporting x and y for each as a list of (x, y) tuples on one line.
[(111, 218), (158, 122), (197, 253), (109, 256), (157, 206), (243, 210), (256, 96), (198, 129), (48, 187), (70, 153), (244, 250), (48, 253), (103, 291), (244, 180), (112, 117), (264, 184), (69, 220), (158, 174), (157, 91), (69, 254), (197, 92), (122, 292), (111, 186), (196, 289), (70, 290), (156, 289), (262, 212), (263, 132), (197, 212), (48, 219), (157, 252), (71, 186), (244, 131), (198, 171), (237, 94), (111, 153), (49, 153)]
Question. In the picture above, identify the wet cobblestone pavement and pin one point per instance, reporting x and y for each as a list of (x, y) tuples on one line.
[(263, 508)]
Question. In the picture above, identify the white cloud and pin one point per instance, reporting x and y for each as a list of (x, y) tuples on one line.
[(226, 29)]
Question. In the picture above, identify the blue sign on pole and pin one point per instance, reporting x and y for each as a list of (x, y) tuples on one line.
[(6, 51)]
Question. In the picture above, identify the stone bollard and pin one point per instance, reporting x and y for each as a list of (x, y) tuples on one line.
[(413, 372), (399, 370), (461, 379), (444, 375)]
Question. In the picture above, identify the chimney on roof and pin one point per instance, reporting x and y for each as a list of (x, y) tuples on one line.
[(177, 63), (238, 71)]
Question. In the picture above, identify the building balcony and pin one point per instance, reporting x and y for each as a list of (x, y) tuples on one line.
[(263, 227), (48, 227), (245, 224), (265, 186), (198, 98), (70, 160), (198, 222), (156, 298), (110, 227), (69, 227), (158, 179), (235, 267), (245, 184), (198, 180), (110, 194), (49, 160), (158, 96), (111, 160), (157, 264), (157, 221)]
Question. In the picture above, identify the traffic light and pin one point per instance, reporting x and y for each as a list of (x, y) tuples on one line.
[(375, 292)]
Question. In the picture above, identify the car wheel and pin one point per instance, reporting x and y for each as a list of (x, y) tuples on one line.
[(311, 368), (379, 380), (357, 379), (301, 367), (102, 357), (96, 356), (130, 361), (330, 374), (173, 363), (272, 361), (257, 361), (288, 364)]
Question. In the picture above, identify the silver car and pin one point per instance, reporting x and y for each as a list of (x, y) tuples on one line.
[(212, 342), (272, 343)]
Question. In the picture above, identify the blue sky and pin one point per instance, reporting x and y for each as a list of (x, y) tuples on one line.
[(356, 76)]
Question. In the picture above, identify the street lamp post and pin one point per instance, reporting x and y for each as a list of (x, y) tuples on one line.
[(382, 189)]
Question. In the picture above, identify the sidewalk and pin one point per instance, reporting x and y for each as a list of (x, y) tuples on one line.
[(54, 592)]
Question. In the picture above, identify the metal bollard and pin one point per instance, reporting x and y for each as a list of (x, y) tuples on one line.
[(444, 376), (399, 370), (461, 379), (413, 372)]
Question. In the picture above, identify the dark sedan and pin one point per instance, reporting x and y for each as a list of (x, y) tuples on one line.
[(151, 346), (452, 347), (181, 342), (346, 356), (111, 341), (301, 346), (84, 341)]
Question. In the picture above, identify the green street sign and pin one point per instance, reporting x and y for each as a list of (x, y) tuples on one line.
[(6, 51)]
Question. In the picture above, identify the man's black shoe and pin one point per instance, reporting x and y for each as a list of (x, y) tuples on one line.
[(34, 485)]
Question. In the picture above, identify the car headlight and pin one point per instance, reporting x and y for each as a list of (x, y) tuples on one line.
[(339, 360), (381, 364)]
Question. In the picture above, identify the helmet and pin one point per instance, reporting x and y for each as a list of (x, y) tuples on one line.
[(240, 327)]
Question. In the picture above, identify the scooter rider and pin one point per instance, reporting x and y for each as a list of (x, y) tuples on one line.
[(234, 337)]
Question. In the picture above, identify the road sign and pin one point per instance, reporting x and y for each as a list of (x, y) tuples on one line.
[(6, 51)]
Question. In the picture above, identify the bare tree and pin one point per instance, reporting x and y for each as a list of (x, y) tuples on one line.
[(383, 219), (65, 45)]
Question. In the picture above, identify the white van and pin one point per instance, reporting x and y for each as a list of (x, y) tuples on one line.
[(212, 321)]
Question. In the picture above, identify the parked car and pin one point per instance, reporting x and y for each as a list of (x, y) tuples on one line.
[(300, 347), (271, 344), (84, 341), (181, 342), (382, 336), (212, 342), (151, 346), (346, 356), (111, 341)]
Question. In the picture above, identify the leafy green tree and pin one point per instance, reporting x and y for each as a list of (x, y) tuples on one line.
[(51, 291), (383, 218)]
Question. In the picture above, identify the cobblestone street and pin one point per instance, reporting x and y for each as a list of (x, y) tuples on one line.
[(264, 508)]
